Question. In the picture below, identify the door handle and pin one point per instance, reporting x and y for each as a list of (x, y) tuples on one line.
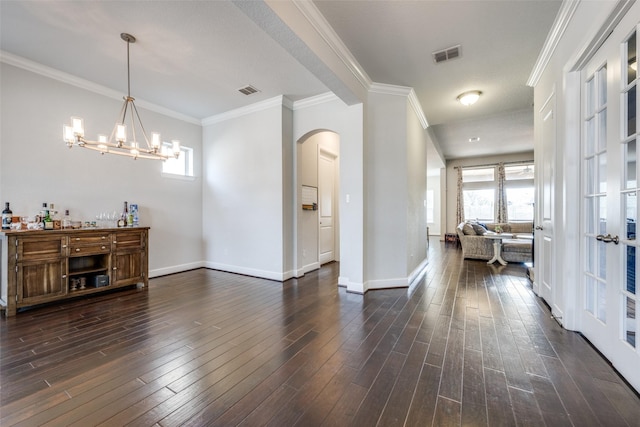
[(608, 238), (539, 227)]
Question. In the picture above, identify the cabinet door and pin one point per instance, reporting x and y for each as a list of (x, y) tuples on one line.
[(41, 248), (128, 268), (41, 281)]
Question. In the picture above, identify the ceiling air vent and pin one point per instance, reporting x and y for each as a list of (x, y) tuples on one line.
[(248, 90), (446, 54)]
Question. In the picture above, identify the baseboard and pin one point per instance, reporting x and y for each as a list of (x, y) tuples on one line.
[(263, 274), (307, 268), (175, 269)]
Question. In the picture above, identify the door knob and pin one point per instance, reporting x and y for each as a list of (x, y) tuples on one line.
[(539, 227), (608, 238)]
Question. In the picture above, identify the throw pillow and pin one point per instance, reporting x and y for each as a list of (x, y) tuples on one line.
[(479, 229), (467, 229)]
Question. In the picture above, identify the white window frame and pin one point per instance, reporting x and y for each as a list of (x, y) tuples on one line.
[(186, 153), (493, 185)]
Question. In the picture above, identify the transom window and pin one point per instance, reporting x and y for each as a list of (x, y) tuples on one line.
[(182, 166)]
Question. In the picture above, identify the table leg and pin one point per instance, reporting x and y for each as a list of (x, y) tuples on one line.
[(497, 255)]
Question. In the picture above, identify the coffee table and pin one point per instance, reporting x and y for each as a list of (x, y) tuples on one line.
[(497, 246)]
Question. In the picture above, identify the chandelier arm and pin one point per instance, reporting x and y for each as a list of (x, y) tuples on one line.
[(133, 124), (144, 132), (121, 151)]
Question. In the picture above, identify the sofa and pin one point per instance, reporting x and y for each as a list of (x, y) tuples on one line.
[(476, 246)]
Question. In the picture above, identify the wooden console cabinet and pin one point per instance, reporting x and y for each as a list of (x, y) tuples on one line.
[(45, 266)]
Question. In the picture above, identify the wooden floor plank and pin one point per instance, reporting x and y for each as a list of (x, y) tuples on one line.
[(468, 345)]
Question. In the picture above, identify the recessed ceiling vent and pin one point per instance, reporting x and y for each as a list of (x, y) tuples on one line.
[(446, 54), (248, 90)]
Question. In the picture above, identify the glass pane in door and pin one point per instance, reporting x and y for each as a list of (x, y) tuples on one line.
[(632, 62), (630, 104), (630, 165), (602, 173), (630, 269), (602, 301), (630, 321)]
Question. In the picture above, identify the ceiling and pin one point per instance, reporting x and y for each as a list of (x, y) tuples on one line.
[(191, 57)]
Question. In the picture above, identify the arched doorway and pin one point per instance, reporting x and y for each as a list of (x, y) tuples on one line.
[(317, 181)]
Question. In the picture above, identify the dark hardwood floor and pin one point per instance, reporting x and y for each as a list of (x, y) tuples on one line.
[(469, 345)]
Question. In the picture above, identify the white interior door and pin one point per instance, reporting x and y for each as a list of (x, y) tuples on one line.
[(610, 202), (326, 205), (544, 247)]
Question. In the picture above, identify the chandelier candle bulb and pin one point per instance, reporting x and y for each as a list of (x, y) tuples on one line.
[(121, 133), (68, 136), (155, 140), (78, 127)]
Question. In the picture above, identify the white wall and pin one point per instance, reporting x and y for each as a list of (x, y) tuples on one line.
[(396, 191), (452, 179), (247, 176), (416, 193), (36, 166), (387, 190), (433, 184)]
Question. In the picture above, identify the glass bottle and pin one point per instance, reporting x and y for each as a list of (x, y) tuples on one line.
[(6, 217), (48, 222), (130, 217), (124, 216), (66, 220), (55, 218)]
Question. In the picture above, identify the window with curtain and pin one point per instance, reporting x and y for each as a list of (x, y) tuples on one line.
[(480, 192)]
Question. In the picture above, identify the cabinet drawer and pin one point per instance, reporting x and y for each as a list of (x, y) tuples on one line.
[(96, 248), (128, 240), (40, 249), (90, 239)]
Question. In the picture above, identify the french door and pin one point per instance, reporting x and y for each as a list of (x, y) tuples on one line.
[(610, 201)]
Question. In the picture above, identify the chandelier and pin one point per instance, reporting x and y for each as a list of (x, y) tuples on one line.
[(117, 143)]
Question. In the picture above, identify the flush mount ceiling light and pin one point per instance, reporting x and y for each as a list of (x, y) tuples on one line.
[(469, 98), (117, 142), (474, 139)]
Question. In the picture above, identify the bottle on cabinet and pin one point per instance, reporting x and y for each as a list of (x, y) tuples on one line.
[(47, 222), (45, 218), (122, 222), (6, 217), (55, 218), (66, 220)]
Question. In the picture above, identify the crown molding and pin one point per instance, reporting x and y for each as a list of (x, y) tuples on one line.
[(276, 101), (324, 29), (315, 100), (387, 89), (567, 9), (404, 91), (61, 76)]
